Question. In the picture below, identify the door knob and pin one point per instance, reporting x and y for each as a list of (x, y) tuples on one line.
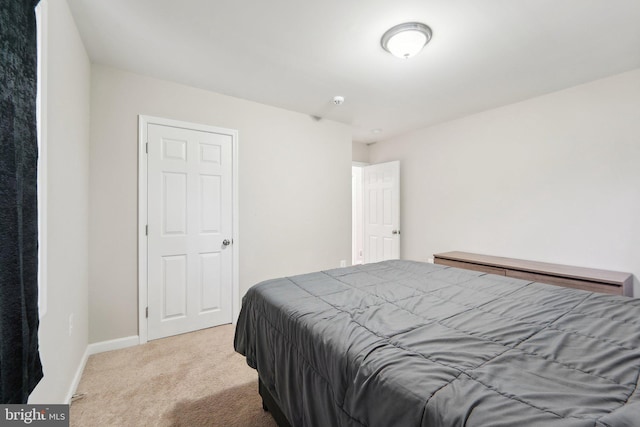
[(395, 232), (226, 242)]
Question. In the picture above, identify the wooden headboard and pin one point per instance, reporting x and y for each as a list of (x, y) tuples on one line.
[(588, 279)]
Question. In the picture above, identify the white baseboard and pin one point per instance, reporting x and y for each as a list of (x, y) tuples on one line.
[(77, 376), (95, 348), (117, 344)]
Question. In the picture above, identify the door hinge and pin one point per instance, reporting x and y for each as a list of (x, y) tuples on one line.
[(146, 230), (146, 147), (147, 313)]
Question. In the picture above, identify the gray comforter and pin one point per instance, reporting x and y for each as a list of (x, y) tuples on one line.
[(402, 343)]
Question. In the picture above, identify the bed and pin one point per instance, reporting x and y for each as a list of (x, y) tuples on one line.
[(402, 343)]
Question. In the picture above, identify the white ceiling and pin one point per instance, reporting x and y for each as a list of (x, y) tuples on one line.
[(299, 54)]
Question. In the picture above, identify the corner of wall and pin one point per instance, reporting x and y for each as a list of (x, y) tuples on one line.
[(63, 332)]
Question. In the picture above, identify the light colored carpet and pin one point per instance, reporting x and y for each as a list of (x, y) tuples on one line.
[(193, 379)]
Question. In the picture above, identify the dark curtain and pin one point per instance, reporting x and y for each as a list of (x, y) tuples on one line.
[(20, 367)]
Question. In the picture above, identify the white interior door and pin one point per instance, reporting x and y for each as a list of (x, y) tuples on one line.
[(190, 229), (381, 188), (357, 217)]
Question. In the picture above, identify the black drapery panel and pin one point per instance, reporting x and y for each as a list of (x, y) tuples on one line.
[(20, 367)]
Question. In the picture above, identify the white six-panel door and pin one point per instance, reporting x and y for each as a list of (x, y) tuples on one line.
[(189, 210), (381, 188)]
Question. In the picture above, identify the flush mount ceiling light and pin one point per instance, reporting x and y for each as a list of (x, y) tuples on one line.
[(406, 40)]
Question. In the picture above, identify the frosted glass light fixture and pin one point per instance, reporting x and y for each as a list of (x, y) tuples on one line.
[(406, 40)]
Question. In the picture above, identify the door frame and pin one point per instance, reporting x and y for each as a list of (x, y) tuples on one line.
[(143, 122), (357, 221)]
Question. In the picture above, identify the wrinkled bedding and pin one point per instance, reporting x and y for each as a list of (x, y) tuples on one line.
[(402, 343)]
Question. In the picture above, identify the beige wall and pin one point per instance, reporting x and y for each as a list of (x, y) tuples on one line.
[(360, 152), (68, 73), (554, 178), (294, 188)]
